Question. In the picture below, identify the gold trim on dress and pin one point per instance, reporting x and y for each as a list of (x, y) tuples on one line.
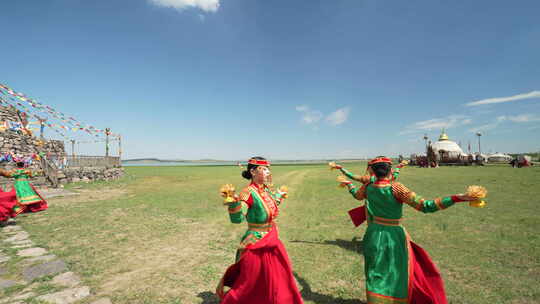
[(410, 266), (250, 239), (270, 215), (262, 225), (386, 222), (375, 298), (22, 208), (381, 185), (260, 229)]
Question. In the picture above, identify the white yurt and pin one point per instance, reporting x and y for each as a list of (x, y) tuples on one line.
[(499, 158), (447, 151)]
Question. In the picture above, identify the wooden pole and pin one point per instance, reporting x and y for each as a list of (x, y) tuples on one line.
[(427, 148), (120, 149), (479, 149), (41, 126), (73, 148), (41, 129), (107, 132)]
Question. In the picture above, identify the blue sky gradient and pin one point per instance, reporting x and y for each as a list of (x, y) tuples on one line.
[(229, 79)]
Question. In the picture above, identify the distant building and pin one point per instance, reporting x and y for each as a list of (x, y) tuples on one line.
[(446, 151), (499, 158)]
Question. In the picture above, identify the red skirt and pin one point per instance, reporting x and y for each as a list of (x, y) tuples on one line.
[(262, 275), (37, 206), (8, 200), (426, 285), (33, 207)]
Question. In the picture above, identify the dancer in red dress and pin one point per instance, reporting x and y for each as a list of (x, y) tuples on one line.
[(262, 273)]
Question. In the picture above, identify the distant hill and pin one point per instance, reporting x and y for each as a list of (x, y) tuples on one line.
[(202, 161), (149, 160), (157, 160)]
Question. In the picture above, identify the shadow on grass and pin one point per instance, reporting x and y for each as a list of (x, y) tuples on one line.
[(9, 222), (208, 297), (354, 245), (319, 298)]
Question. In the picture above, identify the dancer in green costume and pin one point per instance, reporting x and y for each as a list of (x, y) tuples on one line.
[(397, 270), (28, 199)]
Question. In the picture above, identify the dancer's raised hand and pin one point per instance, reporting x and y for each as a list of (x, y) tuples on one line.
[(334, 166)]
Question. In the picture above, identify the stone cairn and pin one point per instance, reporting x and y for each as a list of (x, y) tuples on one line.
[(19, 143)]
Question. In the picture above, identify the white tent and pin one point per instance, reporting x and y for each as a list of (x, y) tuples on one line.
[(499, 158)]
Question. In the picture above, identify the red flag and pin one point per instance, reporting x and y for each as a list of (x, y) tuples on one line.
[(358, 215)]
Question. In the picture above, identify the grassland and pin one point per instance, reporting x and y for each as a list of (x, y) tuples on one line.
[(161, 234)]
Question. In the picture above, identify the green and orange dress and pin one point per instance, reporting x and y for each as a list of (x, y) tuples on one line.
[(28, 198), (262, 273), (397, 270)]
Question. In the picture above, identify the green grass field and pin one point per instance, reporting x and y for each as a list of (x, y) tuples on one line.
[(161, 234)]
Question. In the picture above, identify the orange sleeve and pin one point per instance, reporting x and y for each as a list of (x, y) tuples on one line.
[(245, 196), (406, 196), (359, 193)]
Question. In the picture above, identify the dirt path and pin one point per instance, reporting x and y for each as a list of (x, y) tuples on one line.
[(88, 195), (293, 179), (177, 263)]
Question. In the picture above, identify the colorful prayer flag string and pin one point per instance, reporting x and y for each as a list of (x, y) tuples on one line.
[(75, 125)]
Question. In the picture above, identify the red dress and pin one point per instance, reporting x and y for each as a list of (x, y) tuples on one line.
[(8, 202), (263, 275), (263, 272)]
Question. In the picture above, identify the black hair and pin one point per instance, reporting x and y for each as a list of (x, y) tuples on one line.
[(20, 164), (247, 173), (381, 169)]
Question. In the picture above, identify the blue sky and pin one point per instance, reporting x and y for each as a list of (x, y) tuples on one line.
[(229, 79)]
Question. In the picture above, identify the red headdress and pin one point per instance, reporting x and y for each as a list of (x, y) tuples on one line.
[(258, 162), (381, 159)]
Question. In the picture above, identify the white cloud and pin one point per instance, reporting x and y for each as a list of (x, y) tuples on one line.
[(500, 119), (524, 118), (486, 127), (309, 116), (312, 117), (437, 123), (339, 116), (533, 94), (205, 5)]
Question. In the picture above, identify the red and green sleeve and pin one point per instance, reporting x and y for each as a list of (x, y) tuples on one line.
[(364, 179), (358, 193), (237, 209), (406, 196), (395, 173), (276, 196)]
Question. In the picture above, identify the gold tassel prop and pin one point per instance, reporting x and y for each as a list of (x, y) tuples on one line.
[(477, 192), (285, 191), (342, 181), (478, 204), (227, 192), (333, 165)]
